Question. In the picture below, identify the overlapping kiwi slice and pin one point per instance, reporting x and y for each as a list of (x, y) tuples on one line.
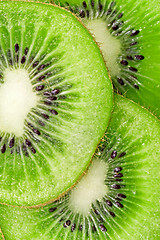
[(55, 101), (118, 196), (128, 34)]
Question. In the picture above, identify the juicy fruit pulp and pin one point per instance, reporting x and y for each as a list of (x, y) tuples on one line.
[(128, 34), (127, 205), (54, 106)]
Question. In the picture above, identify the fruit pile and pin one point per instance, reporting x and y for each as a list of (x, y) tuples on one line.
[(79, 120)]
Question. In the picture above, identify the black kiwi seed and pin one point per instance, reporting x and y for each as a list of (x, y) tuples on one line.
[(23, 59), (124, 62), (139, 57), (96, 211), (53, 112), (33, 150), (122, 154), (41, 67), (115, 26), (119, 204), (133, 69), (119, 179), (36, 131), (55, 91), (103, 228), (35, 64), (134, 32), (133, 43), (117, 169), (41, 78), (84, 4), (109, 203), (45, 116), (52, 209), (52, 98), (48, 103), (26, 51), (3, 149), (100, 7), (11, 143), (73, 227), (80, 228), (120, 15), (121, 195), (116, 186), (82, 14), (67, 223), (112, 214), (28, 143), (40, 88), (136, 86), (129, 57), (120, 81), (113, 154), (16, 47)]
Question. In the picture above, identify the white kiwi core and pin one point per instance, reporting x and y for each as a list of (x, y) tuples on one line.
[(109, 45), (16, 100), (92, 187)]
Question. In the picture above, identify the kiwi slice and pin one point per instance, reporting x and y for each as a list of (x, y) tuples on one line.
[(128, 34), (118, 198), (55, 101)]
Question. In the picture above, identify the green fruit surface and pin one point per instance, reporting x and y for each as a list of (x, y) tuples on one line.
[(136, 132), (66, 142), (142, 86)]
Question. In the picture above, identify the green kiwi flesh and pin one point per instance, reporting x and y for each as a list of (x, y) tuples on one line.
[(55, 101), (118, 198), (128, 34)]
